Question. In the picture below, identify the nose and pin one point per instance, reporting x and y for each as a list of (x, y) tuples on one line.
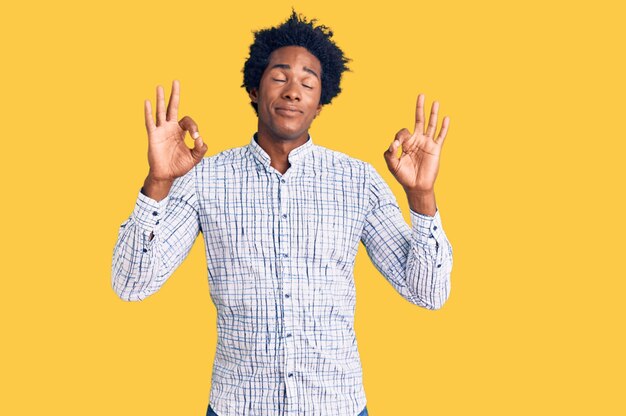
[(292, 92)]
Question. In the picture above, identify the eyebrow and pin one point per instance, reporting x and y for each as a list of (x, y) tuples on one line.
[(285, 66)]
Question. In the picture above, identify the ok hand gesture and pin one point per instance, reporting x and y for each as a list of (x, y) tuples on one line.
[(417, 167), (168, 155)]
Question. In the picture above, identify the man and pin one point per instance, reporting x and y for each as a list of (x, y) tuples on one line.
[(282, 219)]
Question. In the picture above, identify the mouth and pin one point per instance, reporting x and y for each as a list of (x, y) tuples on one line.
[(288, 111)]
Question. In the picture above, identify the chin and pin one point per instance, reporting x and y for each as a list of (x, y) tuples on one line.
[(283, 129), (289, 134)]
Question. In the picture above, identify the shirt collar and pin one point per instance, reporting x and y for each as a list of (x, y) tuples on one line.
[(296, 155)]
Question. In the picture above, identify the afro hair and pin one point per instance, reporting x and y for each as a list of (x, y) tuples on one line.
[(296, 31)]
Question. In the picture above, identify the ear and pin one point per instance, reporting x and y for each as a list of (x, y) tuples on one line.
[(319, 110), (253, 94)]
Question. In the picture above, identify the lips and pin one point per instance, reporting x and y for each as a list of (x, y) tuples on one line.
[(288, 111)]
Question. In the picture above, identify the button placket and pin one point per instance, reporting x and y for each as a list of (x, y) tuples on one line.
[(284, 249)]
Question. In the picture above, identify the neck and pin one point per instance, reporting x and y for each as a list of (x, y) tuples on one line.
[(278, 150)]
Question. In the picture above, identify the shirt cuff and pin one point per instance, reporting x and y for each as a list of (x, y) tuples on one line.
[(427, 228), (148, 212)]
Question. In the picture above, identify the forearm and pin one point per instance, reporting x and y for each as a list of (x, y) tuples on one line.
[(416, 260), (154, 241), (135, 262), (156, 190)]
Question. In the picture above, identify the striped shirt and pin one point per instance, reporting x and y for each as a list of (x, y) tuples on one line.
[(280, 251)]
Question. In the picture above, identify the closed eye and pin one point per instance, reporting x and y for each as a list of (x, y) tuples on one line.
[(284, 80)]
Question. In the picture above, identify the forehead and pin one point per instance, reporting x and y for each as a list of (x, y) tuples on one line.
[(295, 56)]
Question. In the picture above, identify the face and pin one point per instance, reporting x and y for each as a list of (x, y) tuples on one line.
[(289, 94)]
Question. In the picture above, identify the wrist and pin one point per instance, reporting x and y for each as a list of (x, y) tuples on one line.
[(156, 188), (418, 192), (152, 177), (422, 201)]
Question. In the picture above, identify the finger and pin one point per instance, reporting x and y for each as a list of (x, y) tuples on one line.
[(419, 114), (172, 106), (187, 124), (432, 121), (392, 151), (444, 131), (391, 154), (147, 109), (160, 106), (403, 137), (199, 149)]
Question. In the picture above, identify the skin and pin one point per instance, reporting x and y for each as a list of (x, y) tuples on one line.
[(288, 102), (417, 165), (168, 155)]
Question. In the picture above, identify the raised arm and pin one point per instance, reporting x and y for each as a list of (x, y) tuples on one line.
[(416, 260), (158, 235)]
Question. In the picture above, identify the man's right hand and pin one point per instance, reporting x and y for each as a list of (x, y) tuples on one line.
[(168, 155)]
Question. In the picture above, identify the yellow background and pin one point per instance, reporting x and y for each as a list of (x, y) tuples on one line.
[(530, 193)]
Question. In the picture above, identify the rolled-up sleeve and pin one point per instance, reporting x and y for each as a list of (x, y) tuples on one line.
[(416, 259), (141, 264)]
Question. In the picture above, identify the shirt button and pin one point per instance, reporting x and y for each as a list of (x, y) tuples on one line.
[(157, 223), (290, 374), (287, 295), (439, 265), (288, 335), (285, 255), (145, 250), (284, 216), (283, 181), (435, 227)]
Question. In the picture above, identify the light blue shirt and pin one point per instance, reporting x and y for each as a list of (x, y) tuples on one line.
[(280, 253)]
